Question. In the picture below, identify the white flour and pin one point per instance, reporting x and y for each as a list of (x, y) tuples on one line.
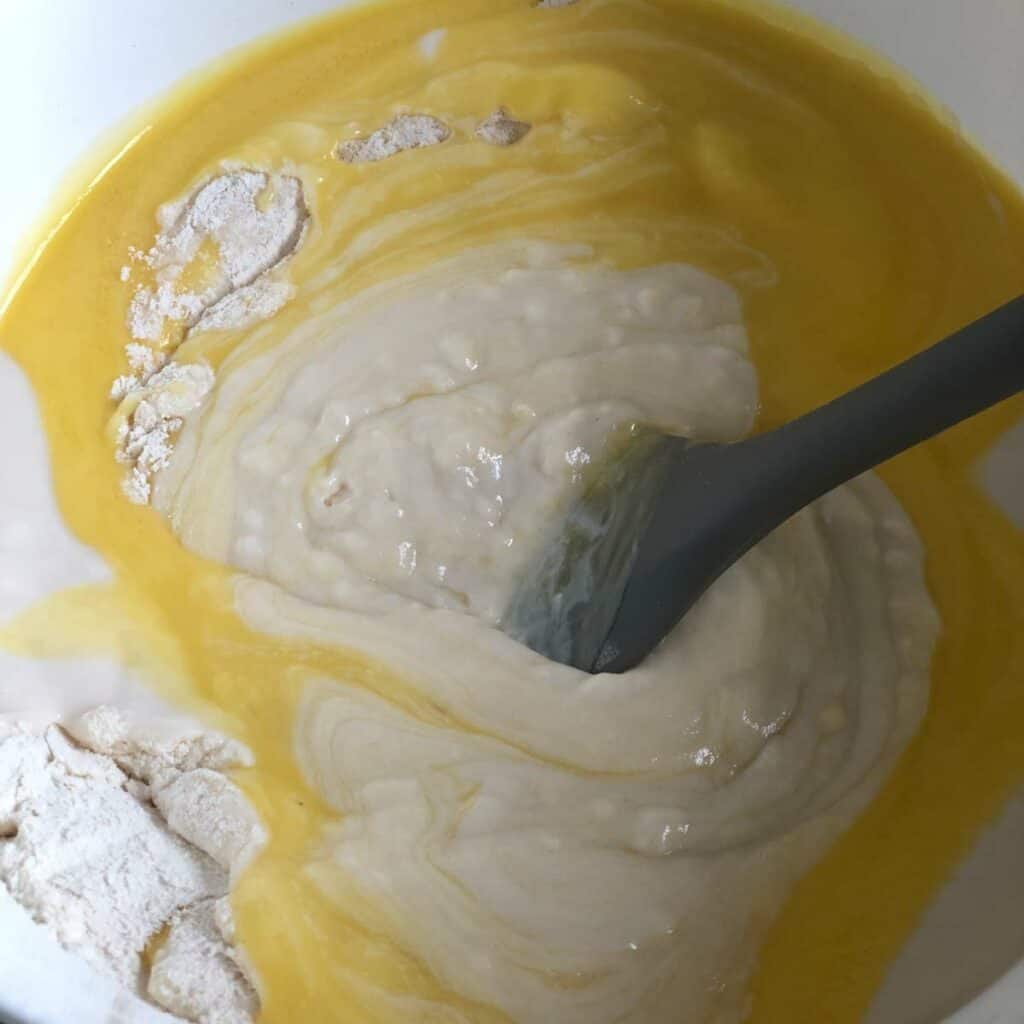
[(226, 240), (246, 306), (501, 129), (200, 936), (153, 411), (110, 833), (83, 847), (233, 230), (407, 131)]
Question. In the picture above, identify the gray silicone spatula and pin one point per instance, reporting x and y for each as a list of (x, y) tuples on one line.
[(661, 518)]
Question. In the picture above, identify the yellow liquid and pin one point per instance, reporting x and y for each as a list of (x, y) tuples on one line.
[(858, 227)]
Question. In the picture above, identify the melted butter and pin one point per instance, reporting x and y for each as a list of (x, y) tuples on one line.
[(855, 223)]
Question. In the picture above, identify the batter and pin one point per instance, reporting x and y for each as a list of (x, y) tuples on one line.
[(563, 848), (704, 220)]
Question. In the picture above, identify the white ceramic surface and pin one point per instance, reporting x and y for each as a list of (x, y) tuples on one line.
[(71, 70)]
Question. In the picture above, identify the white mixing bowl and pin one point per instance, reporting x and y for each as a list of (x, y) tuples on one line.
[(72, 70)]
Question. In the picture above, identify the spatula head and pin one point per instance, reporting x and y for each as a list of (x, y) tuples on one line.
[(568, 599)]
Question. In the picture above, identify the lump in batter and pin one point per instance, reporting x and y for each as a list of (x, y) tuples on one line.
[(501, 129), (226, 236), (212, 268), (208, 810), (219, 993), (245, 306), (407, 131), (106, 840), (152, 412)]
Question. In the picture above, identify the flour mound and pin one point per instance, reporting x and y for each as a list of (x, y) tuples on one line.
[(210, 811), (213, 267), (407, 131), (220, 993), (110, 833), (501, 129), (228, 234), (246, 306), (152, 413)]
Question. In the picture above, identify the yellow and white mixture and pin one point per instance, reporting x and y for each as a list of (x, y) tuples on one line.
[(567, 848), (420, 262)]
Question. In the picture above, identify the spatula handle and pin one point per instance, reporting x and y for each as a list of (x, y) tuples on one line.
[(971, 370)]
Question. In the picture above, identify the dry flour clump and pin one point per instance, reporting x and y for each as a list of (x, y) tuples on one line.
[(407, 131), (107, 848), (246, 306), (211, 812), (153, 411), (154, 752), (213, 267), (202, 934), (226, 236), (501, 129)]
